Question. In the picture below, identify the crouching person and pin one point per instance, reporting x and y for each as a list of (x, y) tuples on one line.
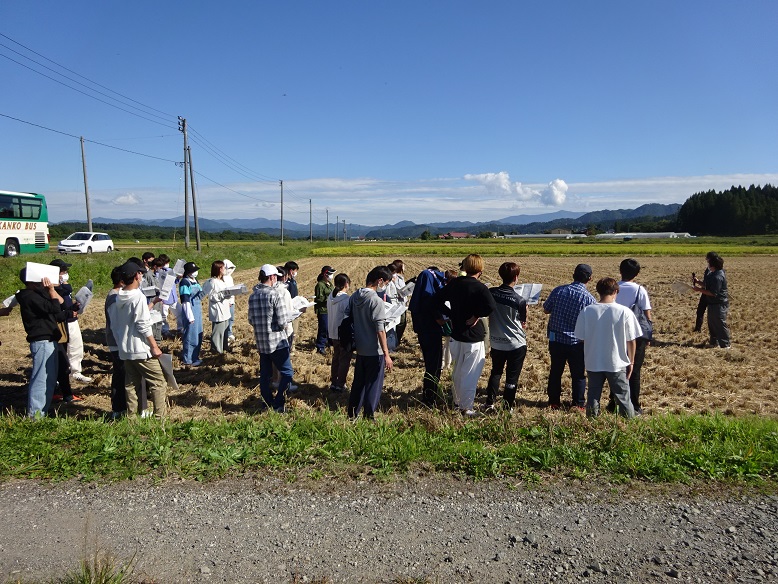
[(608, 331), (131, 328)]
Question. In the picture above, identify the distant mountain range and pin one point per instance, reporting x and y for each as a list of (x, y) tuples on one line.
[(408, 229)]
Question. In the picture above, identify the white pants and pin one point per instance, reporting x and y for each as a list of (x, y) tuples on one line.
[(75, 347), (468, 363)]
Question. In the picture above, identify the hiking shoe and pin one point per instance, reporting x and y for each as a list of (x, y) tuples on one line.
[(81, 378)]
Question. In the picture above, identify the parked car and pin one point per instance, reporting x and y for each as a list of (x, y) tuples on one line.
[(86, 242)]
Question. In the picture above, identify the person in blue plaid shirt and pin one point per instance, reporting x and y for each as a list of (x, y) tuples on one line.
[(564, 304), (269, 315)]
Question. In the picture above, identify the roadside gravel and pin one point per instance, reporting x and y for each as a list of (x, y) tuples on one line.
[(424, 529)]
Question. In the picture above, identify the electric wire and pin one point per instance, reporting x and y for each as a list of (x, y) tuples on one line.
[(88, 140), (82, 76), (86, 94)]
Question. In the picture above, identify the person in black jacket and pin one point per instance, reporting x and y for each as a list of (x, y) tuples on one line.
[(41, 308), (470, 302)]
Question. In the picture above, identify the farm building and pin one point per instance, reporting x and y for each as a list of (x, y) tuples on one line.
[(661, 235)]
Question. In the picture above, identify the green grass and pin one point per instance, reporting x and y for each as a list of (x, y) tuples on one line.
[(667, 448)]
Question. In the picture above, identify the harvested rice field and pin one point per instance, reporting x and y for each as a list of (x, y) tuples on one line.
[(681, 374)]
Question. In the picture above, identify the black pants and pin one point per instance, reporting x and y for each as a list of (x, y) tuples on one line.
[(573, 356), (512, 362), (63, 371), (701, 306), (366, 389), (431, 344)]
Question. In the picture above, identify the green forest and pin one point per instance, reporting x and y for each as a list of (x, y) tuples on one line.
[(736, 211)]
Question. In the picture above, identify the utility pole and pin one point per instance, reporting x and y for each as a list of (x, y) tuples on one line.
[(86, 188), (282, 211), (194, 199), (310, 217), (344, 230), (337, 222), (328, 224), (182, 128)]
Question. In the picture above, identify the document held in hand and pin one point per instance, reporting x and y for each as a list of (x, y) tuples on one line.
[(530, 292)]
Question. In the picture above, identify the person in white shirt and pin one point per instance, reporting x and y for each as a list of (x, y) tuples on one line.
[(635, 297), (608, 331), (229, 268), (131, 328), (215, 289)]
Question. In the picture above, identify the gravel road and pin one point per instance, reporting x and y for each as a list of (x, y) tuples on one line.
[(425, 529)]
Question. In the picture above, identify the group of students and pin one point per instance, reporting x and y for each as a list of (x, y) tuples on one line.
[(453, 314)]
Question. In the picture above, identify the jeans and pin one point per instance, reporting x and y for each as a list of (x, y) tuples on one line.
[(573, 356), (617, 380), (43, 378), (368, 382), (231, 321), (322, 333), (192, 335), (514, 361), (280, 358)]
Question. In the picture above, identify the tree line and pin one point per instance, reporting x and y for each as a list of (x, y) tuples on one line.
[(736, 211)]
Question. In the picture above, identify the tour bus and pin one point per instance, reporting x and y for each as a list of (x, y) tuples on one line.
[(24, 223)]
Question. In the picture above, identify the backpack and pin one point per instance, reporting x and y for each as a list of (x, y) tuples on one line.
[(645, 325), (346, 331)]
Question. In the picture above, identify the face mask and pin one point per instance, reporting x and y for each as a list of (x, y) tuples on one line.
[(194, 274), (64, 278), (167, 266), (381, 289)]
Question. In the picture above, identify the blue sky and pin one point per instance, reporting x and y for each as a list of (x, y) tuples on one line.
[(385, 111)]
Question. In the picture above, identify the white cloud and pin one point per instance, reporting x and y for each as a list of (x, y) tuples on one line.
[(127, 200), (499, 183)]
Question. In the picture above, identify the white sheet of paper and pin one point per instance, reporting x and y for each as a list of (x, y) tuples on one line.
[(36, 273), (83, 296), (166, 362), (167, 287), (11, 301), (300, 302), (530, 292), (156, 316), (237, 289), (178, 269)]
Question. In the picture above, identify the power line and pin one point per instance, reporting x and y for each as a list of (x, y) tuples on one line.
[(87, 140), (263, 177), (82, 77), (86, 94)]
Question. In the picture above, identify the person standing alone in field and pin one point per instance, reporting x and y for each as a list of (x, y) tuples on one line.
[(564, 304), (714, 288), (608, 331), (470, 302), (369, 315)]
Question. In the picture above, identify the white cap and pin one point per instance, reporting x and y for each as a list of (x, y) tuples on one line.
[(269, 270)]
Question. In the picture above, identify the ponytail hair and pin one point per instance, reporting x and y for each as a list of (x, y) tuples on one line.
[(341, 281)]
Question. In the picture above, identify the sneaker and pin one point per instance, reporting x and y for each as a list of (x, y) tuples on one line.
[(147, 413), (231, 339), (292, 388), (81, 378), (470, 413), (554, 407), (73, 398), (578, 408), (56, 398), (321, 351)]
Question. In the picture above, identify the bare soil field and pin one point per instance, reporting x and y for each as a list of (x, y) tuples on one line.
[(680, 374)]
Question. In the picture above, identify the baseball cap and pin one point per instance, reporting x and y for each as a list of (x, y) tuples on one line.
[(328, 270), (128, 270), (269, 270), (582, 273), (60, 263)]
